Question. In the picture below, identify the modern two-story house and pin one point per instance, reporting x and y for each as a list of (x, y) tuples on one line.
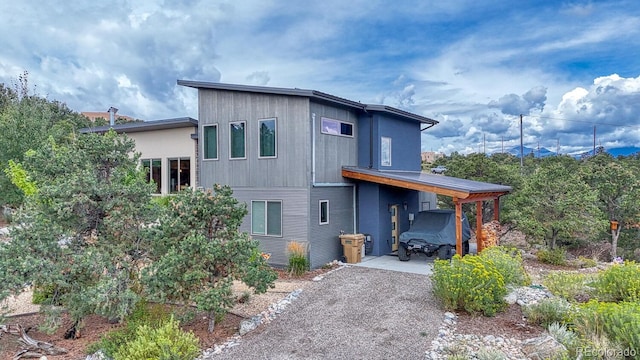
[(311, 166)]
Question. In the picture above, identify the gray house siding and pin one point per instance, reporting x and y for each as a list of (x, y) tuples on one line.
[(332, 151), (295, 218), (325, 243), (288, 169)]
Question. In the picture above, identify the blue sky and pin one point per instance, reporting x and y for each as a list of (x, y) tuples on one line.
[(472, 65)]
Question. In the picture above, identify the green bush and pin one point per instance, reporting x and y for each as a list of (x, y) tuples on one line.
[(547, 311), (620, 282), (508, 261), (584, 262), (570, 286), (152, 315), (556, 256), (472, 283), (617, 322), (167, 342)]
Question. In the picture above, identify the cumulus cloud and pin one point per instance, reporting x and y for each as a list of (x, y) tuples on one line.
[(260, 78), (512, 104)]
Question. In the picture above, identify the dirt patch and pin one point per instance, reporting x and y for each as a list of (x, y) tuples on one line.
[(97, 326), (507, 324)]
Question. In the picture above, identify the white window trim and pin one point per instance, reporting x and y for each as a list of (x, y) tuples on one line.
[(382, 160), (204, 143), (323, 119), (245, 140), (320, 212), (266, 215), (260, 139)]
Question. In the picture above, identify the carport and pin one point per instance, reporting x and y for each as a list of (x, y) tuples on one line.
[(460, 190)]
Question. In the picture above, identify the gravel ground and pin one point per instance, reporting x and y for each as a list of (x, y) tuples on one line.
[(353, 313)]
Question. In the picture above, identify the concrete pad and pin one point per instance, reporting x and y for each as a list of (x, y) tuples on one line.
[(417, 264)]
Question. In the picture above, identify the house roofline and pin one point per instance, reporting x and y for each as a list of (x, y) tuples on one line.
[(312, 94), (130, 127)]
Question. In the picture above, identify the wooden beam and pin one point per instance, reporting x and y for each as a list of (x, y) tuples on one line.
[(458, 226), (481, 197), (479, 239), (403, 184)]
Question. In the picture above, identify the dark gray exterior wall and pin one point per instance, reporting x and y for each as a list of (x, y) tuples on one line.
[(332, 151), (324, 239), (289, 169), (295, 218)]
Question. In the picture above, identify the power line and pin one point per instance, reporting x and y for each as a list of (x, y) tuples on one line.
[(580, 121)]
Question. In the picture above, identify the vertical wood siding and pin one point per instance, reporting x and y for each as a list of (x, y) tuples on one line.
[(289, 169), (333, 152)]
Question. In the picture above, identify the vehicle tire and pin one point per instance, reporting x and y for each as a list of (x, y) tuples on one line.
[(403, 253), (444, 252), (465, 248)]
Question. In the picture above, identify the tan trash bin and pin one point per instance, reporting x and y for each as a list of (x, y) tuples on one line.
[(352, 247)]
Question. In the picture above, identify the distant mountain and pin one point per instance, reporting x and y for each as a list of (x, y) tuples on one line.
[(624, 151), (543, 152)]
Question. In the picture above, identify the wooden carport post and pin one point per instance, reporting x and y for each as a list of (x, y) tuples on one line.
[(458, 206), (479, 238)]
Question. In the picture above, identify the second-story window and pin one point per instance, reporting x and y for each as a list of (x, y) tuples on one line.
[(237, 143), (336, 127), (210, 142), (268, 140), (385, 151)]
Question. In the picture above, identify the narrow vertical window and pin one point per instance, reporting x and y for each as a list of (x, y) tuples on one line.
[(237, 144), (153, 171), (268, 140), (210, 142), (324, 212), (179, 174), (385, 151)]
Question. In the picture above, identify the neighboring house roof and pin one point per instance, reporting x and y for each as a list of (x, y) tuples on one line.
[(312, 94), (145, 125), (462, 189)]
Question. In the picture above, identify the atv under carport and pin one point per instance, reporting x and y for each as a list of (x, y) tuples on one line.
[(433, 232)]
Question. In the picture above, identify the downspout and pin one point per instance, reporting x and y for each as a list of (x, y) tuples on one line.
[(313, 149), (370, 140)]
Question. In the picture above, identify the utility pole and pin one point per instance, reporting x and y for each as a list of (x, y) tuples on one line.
[(558, 148), (503, 144), (594, 140), (521, 147), (484, 144)]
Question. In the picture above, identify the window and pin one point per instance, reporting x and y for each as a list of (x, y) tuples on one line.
[(324, 212), (237, 148), (336, 127), (385, 151), (268, 143), (179, 174), (266, 218), (210, 142), (153, 171)]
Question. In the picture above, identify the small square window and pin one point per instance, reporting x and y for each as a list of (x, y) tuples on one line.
[(266, 218)]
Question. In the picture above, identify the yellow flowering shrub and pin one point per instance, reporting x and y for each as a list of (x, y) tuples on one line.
[(620, 282), (470, 283)]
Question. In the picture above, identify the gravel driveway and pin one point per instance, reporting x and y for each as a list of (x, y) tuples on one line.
[(353, 313)]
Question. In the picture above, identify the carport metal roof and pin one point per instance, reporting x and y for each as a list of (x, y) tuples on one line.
[(461, 190)]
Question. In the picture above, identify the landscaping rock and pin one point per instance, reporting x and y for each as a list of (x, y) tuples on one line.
[(542, 347)]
